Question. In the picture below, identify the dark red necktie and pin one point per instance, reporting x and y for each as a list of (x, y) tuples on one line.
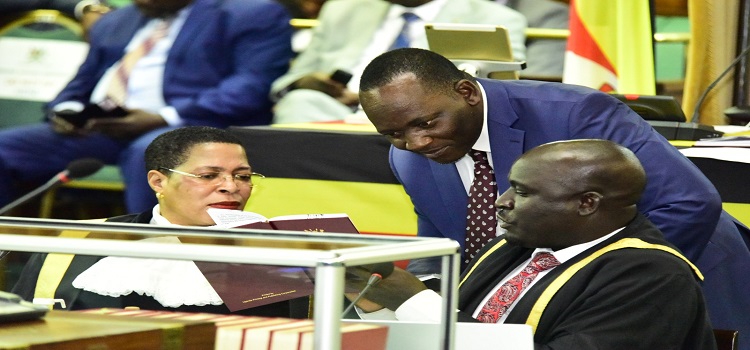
[(481, 222), (504, 297)]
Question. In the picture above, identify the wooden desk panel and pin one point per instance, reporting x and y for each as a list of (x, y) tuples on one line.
[(72, 330)]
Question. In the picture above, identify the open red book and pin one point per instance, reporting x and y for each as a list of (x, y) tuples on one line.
[(337, 223), (242, 286)]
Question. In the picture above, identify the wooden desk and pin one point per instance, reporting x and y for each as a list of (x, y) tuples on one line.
[(73, 330)]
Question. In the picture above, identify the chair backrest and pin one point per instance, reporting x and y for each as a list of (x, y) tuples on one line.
[(726, 339), (30, 40)]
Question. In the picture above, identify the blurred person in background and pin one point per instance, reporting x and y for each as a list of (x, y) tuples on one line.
[(351, 33), (544, 57), (154, 66), (302, 9)]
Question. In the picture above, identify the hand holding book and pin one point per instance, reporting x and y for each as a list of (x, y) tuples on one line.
[(243, 286), (336, 223)]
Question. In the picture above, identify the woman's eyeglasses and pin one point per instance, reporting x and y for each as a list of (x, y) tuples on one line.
[(216, 178)]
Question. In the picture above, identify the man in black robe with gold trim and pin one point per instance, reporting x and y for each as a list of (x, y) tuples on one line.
[(619, 284)]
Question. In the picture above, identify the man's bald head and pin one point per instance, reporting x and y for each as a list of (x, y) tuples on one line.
[(593, 165), (570, 192)]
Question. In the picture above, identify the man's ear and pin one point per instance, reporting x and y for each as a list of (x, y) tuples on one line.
[(156, 180), (469, 91), (589, 203)]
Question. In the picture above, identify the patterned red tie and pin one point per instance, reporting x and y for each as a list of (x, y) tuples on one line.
[(499, 302), (118, 86), (481, 222)]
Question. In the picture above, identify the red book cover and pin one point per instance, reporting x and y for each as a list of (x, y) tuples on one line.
[(242, 286), (338, 223)]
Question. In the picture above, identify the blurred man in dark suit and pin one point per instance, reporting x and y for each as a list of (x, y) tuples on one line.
[(159, 65)]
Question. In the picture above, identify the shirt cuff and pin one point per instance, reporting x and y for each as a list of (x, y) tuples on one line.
[(382, 314), (73, 106), (171, 116), (424, 306)]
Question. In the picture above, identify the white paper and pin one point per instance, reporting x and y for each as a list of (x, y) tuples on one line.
[(732, 129), (730, 141), (309, 216), (729, 154), (234, 218)]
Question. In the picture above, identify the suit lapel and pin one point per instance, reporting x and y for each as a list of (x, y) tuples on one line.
[(125, 33), (202, 13), (506, 143), (454, 198), (507, 146)]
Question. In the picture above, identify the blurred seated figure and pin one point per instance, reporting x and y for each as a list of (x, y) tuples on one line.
[(353, 32), (154, 66), (544, 57), (189, 170)]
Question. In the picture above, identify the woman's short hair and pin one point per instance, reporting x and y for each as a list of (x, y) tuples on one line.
[(172, 148)]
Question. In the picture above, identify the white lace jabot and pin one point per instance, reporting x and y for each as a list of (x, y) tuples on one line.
[(172, 283)]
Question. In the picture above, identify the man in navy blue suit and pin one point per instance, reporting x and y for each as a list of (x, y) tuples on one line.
[(212, 64), (434, 114)]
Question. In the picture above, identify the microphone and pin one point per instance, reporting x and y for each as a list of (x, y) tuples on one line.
[(378, 271), (710, 87), (76, 169), (383, 269)]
